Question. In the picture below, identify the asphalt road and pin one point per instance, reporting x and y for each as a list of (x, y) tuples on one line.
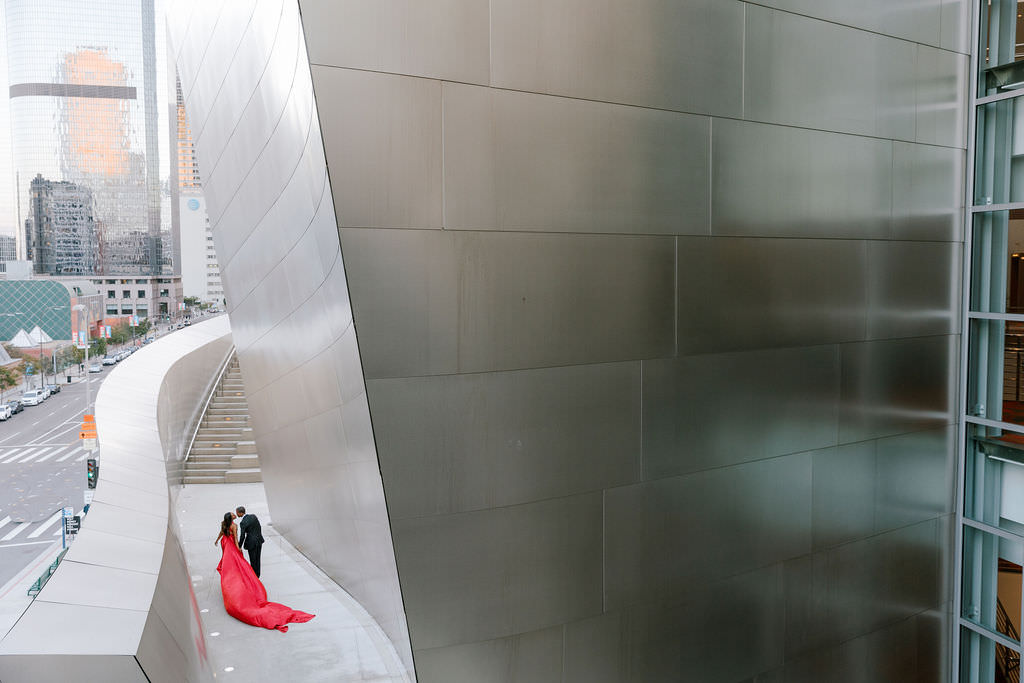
[(42, 469)]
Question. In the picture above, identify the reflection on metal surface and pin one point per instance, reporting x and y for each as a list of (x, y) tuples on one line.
[(632, 361)]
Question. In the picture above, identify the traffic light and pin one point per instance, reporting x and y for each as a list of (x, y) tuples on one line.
[(92, 471)]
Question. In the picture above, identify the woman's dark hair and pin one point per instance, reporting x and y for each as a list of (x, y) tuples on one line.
[(225, 526)]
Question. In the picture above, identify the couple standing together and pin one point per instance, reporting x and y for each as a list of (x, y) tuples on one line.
[(245, 597)]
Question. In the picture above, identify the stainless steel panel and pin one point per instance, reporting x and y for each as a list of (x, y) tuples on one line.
[(62, 668), (928, 192), (897, 385), (915, 20), (941, 97), (107, 587), (709, 411), (596, 650), (804, 72), (843, 506), (159, 656), (448, 39), (521, 161), (915, 477), (956, 25), (532, 565), (383, 147), (740, 517), (769, 292), (913, 289), (689, 57), (583, 299), (404, 286), (534, 657), (468, 442), (807, 607), (727, 631), (883, 579), (774, 181)]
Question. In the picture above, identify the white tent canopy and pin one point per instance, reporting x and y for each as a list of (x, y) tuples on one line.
[(22, 340), (37, 336), (5, 358)]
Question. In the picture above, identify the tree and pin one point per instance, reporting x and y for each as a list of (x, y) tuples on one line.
[(9, 378), (192, 301), (120, 333)]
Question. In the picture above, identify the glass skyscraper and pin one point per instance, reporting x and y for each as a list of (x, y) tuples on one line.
[(83, 103)]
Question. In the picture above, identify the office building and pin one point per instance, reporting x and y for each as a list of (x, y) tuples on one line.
[(84, 110), (64, 235)]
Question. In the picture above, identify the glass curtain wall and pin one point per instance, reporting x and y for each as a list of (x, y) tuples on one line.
[(992, 486)]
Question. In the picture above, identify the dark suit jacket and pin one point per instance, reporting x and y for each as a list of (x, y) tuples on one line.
[(249, 531)]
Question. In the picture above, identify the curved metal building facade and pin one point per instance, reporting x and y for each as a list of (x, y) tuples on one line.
[(602, 341)]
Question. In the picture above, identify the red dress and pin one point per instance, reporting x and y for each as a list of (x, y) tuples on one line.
[(245, 598)]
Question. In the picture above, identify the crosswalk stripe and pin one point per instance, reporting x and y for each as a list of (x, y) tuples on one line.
[(81, 457), (52, 453), (43, 527), (13, 455), (28, 453), (68, 455), (29, 458), (5, 521), (14, 532)]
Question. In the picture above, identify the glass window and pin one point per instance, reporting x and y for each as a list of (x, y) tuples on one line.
[(111, 294), (164, 292), (1000, 53), (995, 371), (981, 658), (111, 310), (998, 175), (126, 294), (142, 294), (992, 581)]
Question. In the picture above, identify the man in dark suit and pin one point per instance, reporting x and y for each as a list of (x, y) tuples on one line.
[(250, 537)]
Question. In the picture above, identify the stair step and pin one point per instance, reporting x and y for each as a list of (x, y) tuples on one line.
[(248, 460), (222, 458), (207, 467), (245, 447), (246, 476), (203, 479), (226, 451)]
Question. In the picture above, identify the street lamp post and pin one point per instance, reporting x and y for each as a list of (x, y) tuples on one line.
[(84, 331)]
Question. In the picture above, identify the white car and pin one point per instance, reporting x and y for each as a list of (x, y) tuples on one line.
[(32, 397), (5, 411), (45, 392), (109, 360), (95, 367)]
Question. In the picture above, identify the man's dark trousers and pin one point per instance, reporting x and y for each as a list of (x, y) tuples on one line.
[(254, 557), (251, 540)]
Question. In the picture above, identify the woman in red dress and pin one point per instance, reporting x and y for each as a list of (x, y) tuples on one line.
[(245, 598)]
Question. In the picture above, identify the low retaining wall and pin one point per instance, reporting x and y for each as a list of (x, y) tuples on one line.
[(120, 606)]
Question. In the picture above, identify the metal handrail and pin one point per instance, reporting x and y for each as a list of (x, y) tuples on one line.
[(1007, 660), (209, 397)]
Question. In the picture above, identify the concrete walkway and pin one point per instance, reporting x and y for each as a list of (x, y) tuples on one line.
[(343, 643)]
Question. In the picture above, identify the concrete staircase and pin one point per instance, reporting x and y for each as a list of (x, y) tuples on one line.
[(224, 451)]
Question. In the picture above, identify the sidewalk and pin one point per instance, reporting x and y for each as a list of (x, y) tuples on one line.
[(341, 644)]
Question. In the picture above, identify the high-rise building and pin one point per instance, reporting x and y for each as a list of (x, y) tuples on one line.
[(200, 271), (8, 248), (83, 105), (64, 237)]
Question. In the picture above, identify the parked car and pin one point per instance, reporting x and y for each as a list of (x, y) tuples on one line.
[(15, 407), (5, 411), (95, 367), (109, 360), (45, 392), (32, 397), (53, 388)]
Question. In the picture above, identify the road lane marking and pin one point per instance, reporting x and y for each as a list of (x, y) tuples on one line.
[(43, 527), (23, 454), (65, 457), (15, 545), (14, 455), (19, 453), (5, 521), (35, 455), (36, 422), (14, 532), (53, 453)]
